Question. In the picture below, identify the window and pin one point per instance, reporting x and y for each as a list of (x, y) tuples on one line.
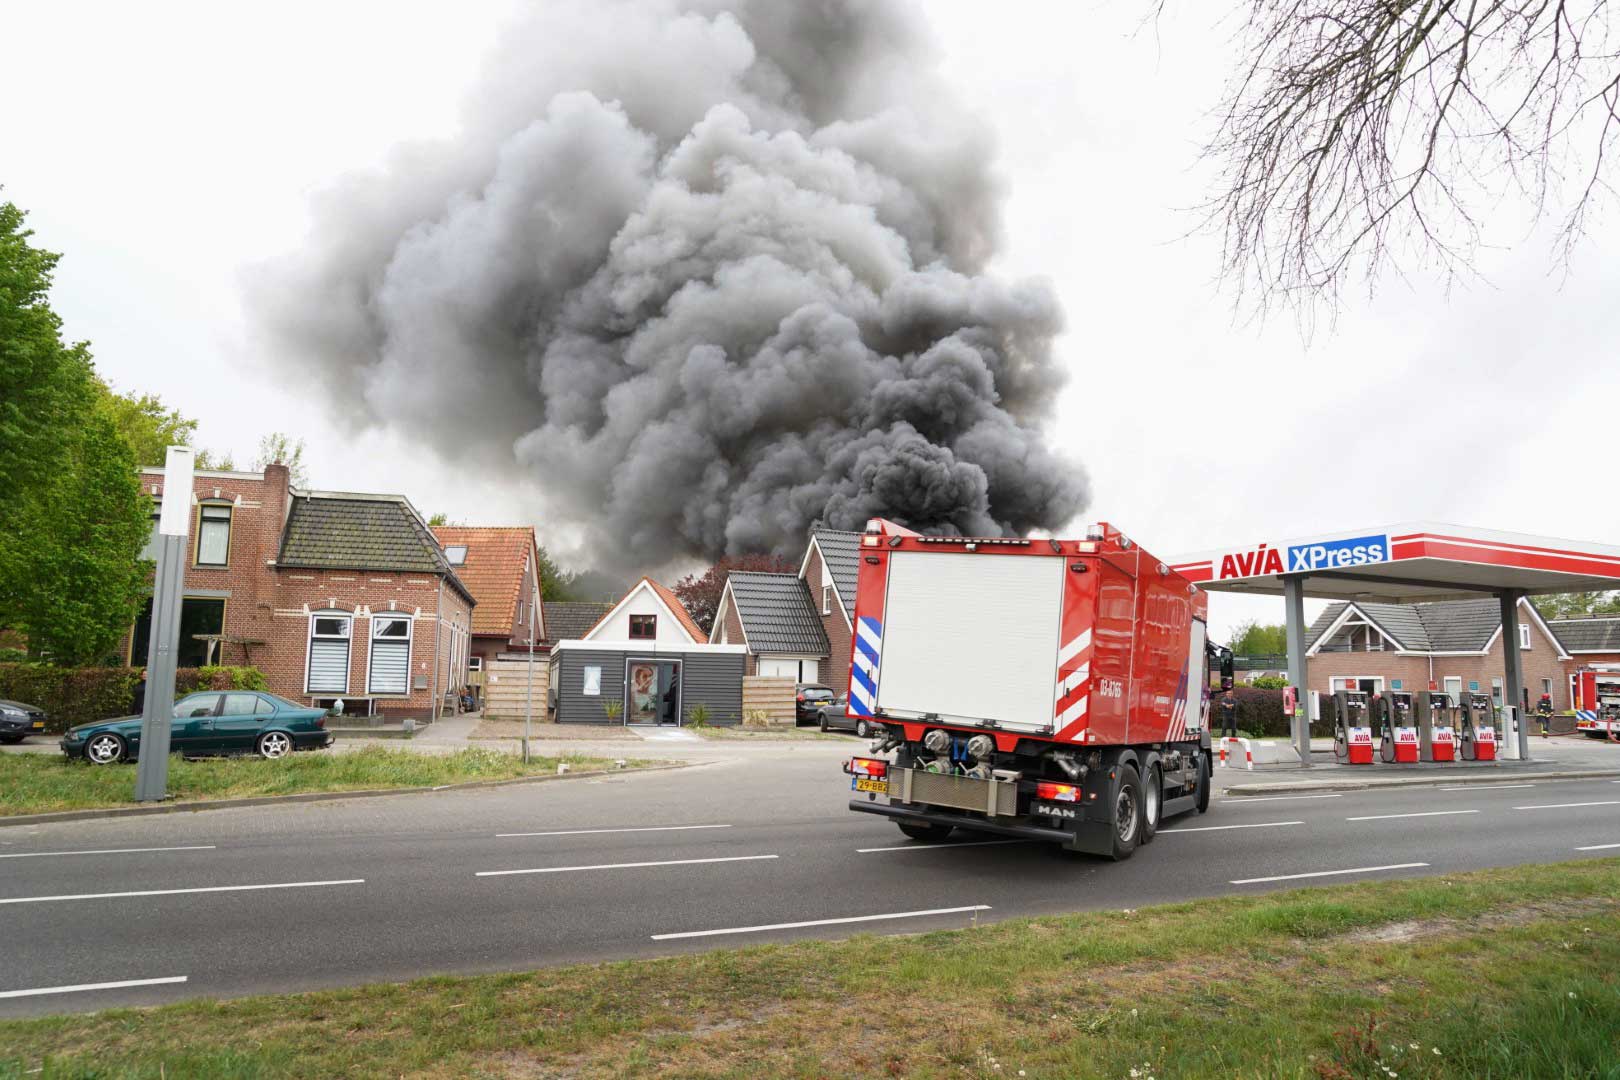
[(475, 663), (1546, 687), (1496, 692), (643, 627), (593, 681), (328, 667), (154, 542), (198, 615), (521, 611), (390, 668), (1524, 635), (826, 599), (213, 534), (456, 554), (244, 705)]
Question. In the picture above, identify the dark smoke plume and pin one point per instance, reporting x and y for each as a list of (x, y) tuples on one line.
[(707, 270)]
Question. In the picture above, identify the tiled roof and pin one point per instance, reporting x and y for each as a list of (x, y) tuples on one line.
[(842, 553), (493, 571), (777, 613), (569, 620), (1450, 626), (1589, 634), (668, 596), (345, 531)]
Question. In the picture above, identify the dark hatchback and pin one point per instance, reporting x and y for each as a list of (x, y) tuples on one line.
[(807, 703), (210, 722), (18, 721)]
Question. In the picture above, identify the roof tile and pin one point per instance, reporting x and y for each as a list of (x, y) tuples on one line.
[(778, 614)]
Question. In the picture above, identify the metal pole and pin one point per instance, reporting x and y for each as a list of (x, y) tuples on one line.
[(168, 591), (438, 635), (1513, 666), (1294, 618), (528, 698)]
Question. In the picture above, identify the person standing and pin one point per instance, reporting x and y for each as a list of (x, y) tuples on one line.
[(1228, 714)]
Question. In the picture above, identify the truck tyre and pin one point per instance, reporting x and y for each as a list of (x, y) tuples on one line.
[(1126, 819), (919, 831), (1152, 803), (1204, 782)]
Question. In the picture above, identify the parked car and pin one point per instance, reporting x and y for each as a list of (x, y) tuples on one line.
[(834, 716), (210, 722), (18, 721), (807, 703)]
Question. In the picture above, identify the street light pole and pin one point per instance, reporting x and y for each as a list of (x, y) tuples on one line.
[(528, 701), (168, 588)]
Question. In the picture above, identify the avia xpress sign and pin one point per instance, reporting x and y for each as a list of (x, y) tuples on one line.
[(1304, 558)]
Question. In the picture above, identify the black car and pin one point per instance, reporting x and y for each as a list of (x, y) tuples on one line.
[(18, 721), (835, 716), (210, 722), (807, 703)]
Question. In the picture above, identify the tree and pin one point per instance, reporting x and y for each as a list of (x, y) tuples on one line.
[(555, 582), (700, 594), (146, 424), (1357, 134), (277, 448), (72, 519), (1568, 605), (1252, 638)]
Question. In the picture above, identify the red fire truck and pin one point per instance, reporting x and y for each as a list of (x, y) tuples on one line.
[(1048, 689), (1596, 692)]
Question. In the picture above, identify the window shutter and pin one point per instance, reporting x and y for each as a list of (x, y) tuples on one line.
[(390, 666), (329, 665)]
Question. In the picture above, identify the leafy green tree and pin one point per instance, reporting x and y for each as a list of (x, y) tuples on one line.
[(555, 582), (278, 448), (1566, 605), (72, 518), (146, 424), (1253, 638)]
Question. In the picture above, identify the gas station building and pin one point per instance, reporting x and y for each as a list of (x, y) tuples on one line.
[(1403, 565)]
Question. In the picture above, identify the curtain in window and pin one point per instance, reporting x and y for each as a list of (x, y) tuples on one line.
[(329, 654)]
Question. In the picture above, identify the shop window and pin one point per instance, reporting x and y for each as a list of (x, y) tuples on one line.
[(328, 668), (643, 627), (198, 615), (213, 534)]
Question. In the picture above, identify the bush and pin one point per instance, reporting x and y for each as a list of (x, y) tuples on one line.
[(85, 695), (1258, 710), (1269, 682)]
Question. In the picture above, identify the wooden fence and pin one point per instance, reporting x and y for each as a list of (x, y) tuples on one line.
[(506, 686), (768, 694)]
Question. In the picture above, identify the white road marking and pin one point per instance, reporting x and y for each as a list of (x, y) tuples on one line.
[(106, 851), (1484, 787), (1569, 805), (822, 922), (177, 892), (1330, 873), (1426, 813), (1240, 800), (1219, 828), (931, 847), (623, 865), (593, 832), (77, 988), (1598, 847)]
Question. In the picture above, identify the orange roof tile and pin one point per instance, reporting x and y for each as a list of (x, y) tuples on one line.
[(679, 609), (493, 572)]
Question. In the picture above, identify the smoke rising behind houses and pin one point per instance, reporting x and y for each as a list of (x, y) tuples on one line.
[(708, 273)]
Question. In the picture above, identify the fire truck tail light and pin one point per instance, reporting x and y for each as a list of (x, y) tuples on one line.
[(868, 767), (1047, 789)]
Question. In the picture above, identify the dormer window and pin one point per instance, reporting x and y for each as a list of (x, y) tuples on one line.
[(456, 554), (643, 627)]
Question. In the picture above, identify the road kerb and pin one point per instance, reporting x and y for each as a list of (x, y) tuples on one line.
[(1295, 787)]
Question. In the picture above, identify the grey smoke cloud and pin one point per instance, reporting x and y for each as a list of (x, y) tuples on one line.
[(709, 272)]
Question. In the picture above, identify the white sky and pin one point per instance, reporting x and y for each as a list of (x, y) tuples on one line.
[(162, 148)]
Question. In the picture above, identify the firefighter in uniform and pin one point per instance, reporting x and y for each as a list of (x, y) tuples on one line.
[(1544, 713)]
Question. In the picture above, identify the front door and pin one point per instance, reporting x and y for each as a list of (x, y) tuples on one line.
[(654, 692)]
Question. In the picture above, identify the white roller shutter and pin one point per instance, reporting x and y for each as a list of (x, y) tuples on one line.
[(390, 667), (329, 666), (972, 637)]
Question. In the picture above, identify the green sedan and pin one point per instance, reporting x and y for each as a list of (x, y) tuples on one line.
[(210, 722)]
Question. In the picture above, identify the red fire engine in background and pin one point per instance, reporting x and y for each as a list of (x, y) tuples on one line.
[(1596, 693), (1048, 689)]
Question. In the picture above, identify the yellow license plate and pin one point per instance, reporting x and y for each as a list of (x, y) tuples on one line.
[(872, 785), (40, 724)]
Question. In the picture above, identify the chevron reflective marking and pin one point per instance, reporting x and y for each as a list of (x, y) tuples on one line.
[(1073, 679), (870, 631), (1072, 713), (1081, 642)]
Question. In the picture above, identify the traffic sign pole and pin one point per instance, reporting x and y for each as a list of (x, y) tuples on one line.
[(168, 588)]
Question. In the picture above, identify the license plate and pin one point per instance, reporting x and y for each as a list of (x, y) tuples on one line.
[(869, 784), (39, 725)]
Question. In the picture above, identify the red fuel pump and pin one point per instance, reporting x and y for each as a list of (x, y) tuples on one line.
[(1437, 732), (1398, 737), (1478, 728), (1352, 736)]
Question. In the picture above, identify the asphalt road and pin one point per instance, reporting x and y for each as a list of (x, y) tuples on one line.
[(758, 848)]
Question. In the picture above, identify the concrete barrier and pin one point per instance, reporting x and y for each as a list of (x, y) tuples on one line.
[(1239, 753)]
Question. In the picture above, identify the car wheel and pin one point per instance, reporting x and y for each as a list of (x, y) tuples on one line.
[(1152, 803), (924, 832), (1127, 812), (862, 729), (105, 749), (275, 744), (824, 726)]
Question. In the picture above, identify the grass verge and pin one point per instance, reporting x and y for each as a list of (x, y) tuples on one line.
[(40, 783), (769, 734), (513, 729), (1496, 974)]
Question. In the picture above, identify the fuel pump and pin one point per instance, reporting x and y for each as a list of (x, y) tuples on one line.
[(1352, 737), (1398, 737), (1437, 733), (1478, 728)]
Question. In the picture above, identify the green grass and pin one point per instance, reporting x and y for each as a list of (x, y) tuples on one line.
[(1508, 973), (784, 733), (40, 783)]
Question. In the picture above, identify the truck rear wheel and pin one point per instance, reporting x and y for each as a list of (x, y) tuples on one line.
[(1127, 815), (1205, 781), (1152, 803), (924, 832)]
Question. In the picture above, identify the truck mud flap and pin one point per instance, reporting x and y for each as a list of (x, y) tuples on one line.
[(962, 821)]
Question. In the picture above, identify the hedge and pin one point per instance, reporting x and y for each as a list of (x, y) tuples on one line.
[(72, 696), (1258, 711)]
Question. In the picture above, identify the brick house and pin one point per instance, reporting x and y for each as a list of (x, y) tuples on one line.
[(774, 615), (500, 567), (333, 595), (1457, 646)]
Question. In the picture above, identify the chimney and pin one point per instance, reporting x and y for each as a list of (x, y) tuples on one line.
[(278, 482)]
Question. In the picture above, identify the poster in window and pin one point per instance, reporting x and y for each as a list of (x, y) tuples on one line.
[(643, 694), (593, 681)]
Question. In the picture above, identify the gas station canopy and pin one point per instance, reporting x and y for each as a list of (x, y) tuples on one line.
[(1405, 564)]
